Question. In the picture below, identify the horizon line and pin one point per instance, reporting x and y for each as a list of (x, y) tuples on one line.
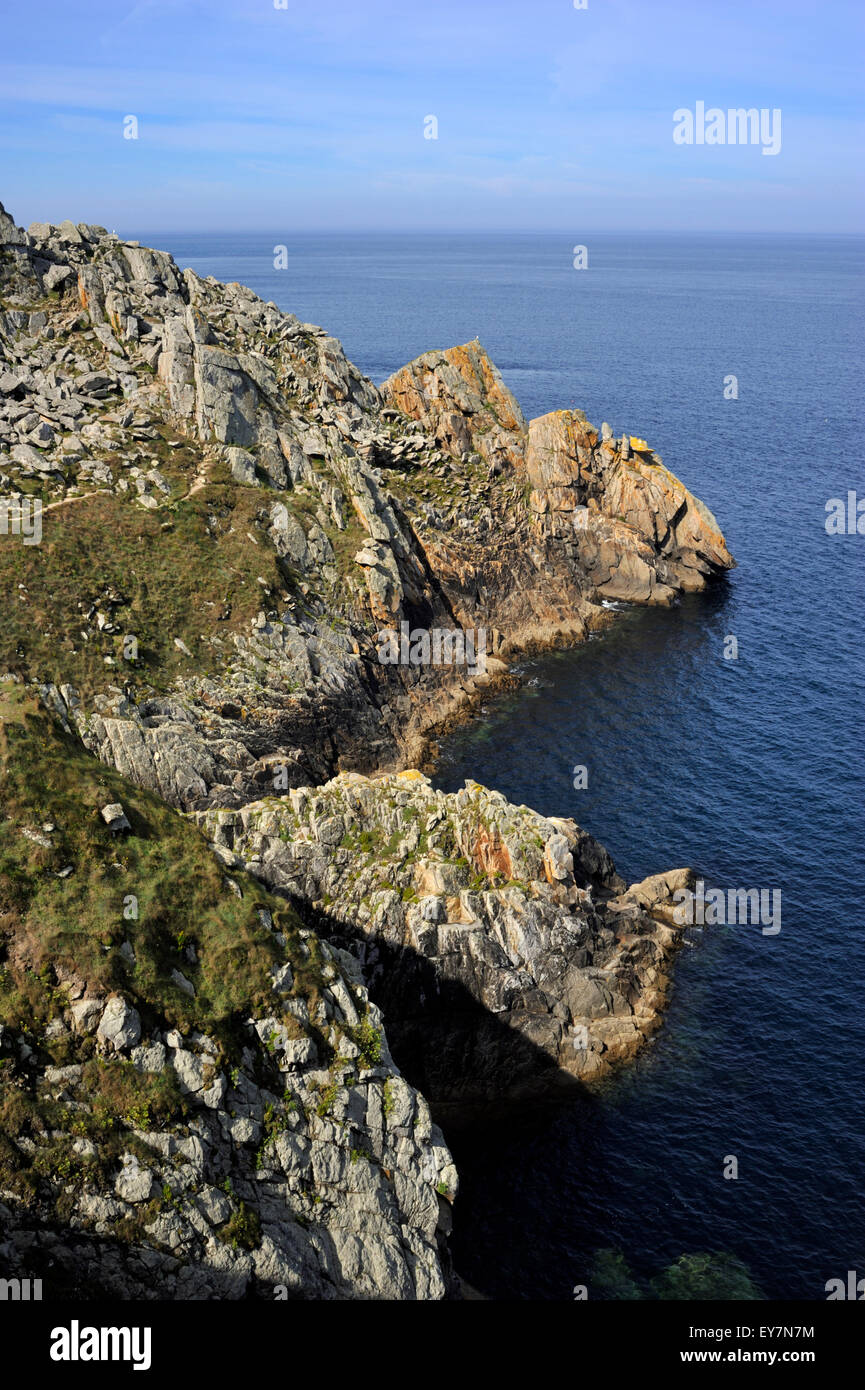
[(486, 231)]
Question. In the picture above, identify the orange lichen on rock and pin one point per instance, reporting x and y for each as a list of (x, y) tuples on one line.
[(491, 854)]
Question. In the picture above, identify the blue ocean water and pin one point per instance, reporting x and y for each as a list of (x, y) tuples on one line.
[(750, 769)]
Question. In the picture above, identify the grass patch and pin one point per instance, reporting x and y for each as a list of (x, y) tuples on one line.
[(192, 580)]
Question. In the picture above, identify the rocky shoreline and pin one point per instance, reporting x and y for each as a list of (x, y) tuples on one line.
[(506, 954), (230, 514)]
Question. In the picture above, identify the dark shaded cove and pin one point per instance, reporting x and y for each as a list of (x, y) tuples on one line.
[(468, 1063)]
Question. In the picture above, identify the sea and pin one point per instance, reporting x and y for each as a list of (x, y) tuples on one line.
[(739, 358)]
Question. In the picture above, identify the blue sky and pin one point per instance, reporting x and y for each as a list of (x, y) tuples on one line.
[(312, 117)]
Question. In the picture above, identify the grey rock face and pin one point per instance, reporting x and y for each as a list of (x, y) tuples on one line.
[(10, 235), (86, 1014), (242, 466), (31, 459), (133, 1183), (507, 954), (227, 399), (120, 1024), (139, 353), (335, 1177), (505, 948)]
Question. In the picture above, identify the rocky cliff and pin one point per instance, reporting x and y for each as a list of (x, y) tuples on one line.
[(223, 488), (506, 953), (601, 509), (198, 1098)]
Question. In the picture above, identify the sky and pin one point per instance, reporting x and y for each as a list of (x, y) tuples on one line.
[(310, 115)]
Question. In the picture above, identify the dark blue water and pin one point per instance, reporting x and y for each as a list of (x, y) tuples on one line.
[(750, 769)]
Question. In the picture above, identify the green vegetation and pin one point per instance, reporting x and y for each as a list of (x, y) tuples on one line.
[(242, 1229), (78, 922), (179, 575), (112, 1099), (388, 1101), (328, 1095), (715, 1275), (368, 1039)]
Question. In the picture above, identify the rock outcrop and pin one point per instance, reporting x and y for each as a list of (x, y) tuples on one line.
[(460, 397), (506, 953), (640, 534), (273, 1177), (622, 520)]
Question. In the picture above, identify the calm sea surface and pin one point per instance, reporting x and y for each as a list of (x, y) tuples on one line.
[(750, 769)]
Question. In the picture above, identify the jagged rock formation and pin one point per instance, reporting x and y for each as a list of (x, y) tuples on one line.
[(640, 534), (286, 509), (274, 1177), (507, 954), (621, 520), (460, 396)]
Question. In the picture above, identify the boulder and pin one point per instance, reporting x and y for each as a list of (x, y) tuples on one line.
[(115, 817), (120, 1024)]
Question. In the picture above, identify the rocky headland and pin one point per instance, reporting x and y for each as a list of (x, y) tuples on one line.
[(225, 887), (507, 955)]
